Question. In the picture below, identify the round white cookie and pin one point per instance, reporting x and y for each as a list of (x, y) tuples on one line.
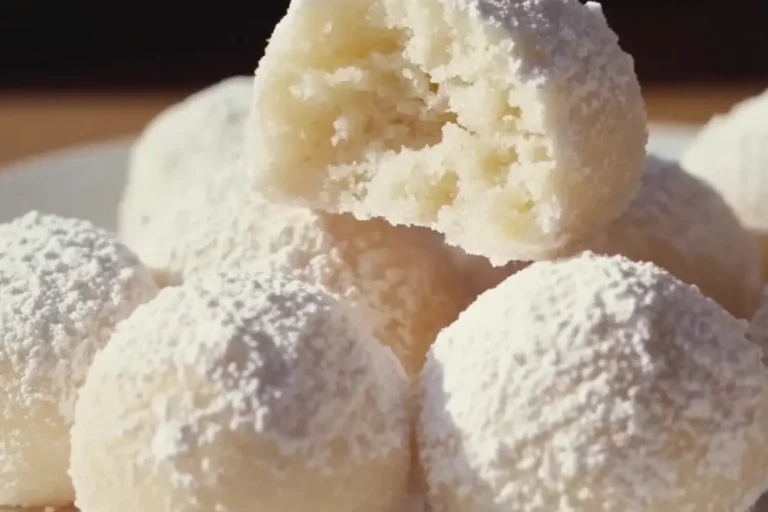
[(406, 288), (64, 285), (594, 384), (244, 393), (731, 154), (514, 128), (185, 142), (683, 225)]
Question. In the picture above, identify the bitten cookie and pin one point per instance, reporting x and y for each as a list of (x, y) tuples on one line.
[(514, 128)]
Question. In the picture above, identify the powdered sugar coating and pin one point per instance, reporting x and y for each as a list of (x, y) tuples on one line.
[(731, 154), (512, 127), (594, 384), (683, 225), (406, 290), (64, 285), (239, 393), (183, 144)]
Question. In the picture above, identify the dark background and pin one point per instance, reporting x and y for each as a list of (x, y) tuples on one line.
[(173, 45)]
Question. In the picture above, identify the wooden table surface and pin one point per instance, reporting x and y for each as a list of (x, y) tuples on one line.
[(32, 124)]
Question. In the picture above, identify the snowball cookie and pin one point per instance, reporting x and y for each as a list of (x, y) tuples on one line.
[(244, 393), (680, 223), (64, 284), (183, 143), (407, 290), (594, 384), (731, 154), (511, 127)]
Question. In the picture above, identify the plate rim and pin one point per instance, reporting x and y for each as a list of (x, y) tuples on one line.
[(73, 152)]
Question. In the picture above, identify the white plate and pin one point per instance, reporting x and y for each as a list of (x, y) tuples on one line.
[(669, 140), (86, 182)]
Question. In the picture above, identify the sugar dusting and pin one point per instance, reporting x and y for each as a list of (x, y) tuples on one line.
[(731, 153), (512, 127), (182, 145), (277, 364), (406, 290), (286, 391), (682, 224), (65, 285), (596, 384)]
